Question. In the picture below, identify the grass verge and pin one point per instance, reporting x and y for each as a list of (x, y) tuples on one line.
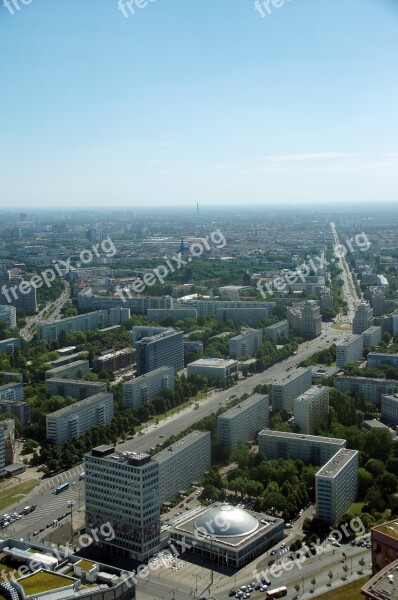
[(12, 495)]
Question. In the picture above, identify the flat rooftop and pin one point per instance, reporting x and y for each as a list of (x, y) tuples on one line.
[(242, 406), (313, 392), (44, 581), (353, 338), (301, 436), (384, 585), (76, 382), (291, 376), (245, 334), (336, 463), (183, 443), (213, 362), (277, 325), (390, 529), (79, 404), (120, 456), (372, 329)]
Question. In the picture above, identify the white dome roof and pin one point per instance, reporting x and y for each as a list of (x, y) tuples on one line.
[(226, 521)]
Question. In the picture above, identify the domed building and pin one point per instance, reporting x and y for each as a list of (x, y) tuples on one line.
[(226, 534)]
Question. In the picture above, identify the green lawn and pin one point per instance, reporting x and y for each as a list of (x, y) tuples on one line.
[(342, 326), (42, 581), (17, 492), (355, 509), (352, 591)]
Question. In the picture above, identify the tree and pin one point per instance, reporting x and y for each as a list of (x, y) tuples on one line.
[(362, 563), (345, 569), (297, 588), (313, 582)]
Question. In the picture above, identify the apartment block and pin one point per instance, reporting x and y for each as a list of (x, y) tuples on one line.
[(122, 488), (311, 409), (146, 387), (362, 318), (10, 345), (371, 389), (209, 308), (371, 336), (2, 453), (350, 351), (11, 296), (12, 391), (336, 486), (74, 370), (8, 314), (305, 318), (213, 368), (311, 449), (114, 361), (162, 350), (242, 316), (8, 427), (76, 419), (73, 387), (158, 314), (274, 332), (137, 305), (84, 323), (375, 359), (183, 462), (389, 409), (289, 387), (17, 409), (243, 422), (246, 343)]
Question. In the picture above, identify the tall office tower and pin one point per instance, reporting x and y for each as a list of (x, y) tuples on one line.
[(311, 409), (165, 349), (336, 486), (8, 314), (286, 389), (122, 488), (363, 318), (305, 318), (242, 422), (349, 351)]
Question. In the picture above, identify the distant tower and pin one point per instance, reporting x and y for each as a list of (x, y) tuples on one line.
[(182, 246)]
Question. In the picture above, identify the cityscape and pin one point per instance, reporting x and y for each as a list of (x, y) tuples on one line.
[(199, 301)]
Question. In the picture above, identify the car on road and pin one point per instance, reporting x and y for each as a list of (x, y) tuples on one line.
[(273, 552), (71, 502)]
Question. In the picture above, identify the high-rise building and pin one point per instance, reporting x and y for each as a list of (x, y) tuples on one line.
[(8, 314), (311, 409), (79, 417), (289, 387), (146, 387), (274, 332), (8, 427), (17, 409), (12, 391), (242, 423), (2, 453), (140, 331), (312, 449), (350, 351), (122, 488), (305, 318), (336, 486), (183, 462), (389, 409), (246, 343), (362, 318), (165, 349), (10, 345), (371, 336)]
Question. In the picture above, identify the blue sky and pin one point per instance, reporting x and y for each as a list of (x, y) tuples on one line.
[(198, 101)]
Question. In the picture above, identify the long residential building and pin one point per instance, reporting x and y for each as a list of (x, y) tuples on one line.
[(74, 388), (76, 419), (311, 409), (165, 349), (350, 351), (371, 389), (183, 462), (289, 387), (138, 305), (10, 345), (242, 423), (311, 449), (246, 343), (376, 359), (12, 391), (74, 370), (114, 361), (242, 316), (158, 314), (389, 409), (209, 308), (122, 488), (275, 331), (84, 323), (371, 336), (145, 388), (336, 486)]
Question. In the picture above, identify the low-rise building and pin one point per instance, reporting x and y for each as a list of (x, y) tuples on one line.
[(213, 368), (114, 361), (384, 540), (243, 422), (336, 486), (76, 419), (383, 585)]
